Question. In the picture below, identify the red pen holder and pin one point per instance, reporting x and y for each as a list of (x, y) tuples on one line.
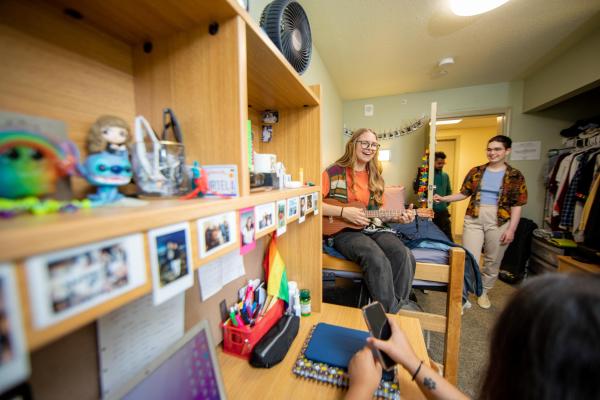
[(240, 340)]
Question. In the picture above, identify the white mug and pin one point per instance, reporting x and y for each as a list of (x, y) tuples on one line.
[(264, 163)]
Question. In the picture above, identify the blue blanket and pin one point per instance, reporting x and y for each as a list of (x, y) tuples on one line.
[(422, 233)]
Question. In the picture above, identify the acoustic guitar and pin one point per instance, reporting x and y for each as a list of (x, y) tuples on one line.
[(332, 225)]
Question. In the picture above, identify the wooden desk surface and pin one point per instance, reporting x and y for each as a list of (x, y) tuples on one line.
[(245, 382)]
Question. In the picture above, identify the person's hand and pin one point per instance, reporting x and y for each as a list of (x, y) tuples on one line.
[(507, 237), (437, 198), (407, 216), (356, 216), (364, 372), (397, 347)]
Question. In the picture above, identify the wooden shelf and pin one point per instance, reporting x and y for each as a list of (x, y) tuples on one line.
[(33, 234)]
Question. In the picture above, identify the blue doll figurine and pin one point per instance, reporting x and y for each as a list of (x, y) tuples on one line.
[(107, 171)]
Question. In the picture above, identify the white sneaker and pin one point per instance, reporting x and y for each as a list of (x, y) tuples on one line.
[(484, 301), (465, 306)]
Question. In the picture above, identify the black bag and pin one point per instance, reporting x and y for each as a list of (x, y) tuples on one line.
[(514, 263), (273, 347)]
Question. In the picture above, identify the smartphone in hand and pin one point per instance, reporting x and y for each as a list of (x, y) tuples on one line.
[(380, 328)]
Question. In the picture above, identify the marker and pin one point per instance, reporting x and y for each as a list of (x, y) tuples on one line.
[(232, 316)]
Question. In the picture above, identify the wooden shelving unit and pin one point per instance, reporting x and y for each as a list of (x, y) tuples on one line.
[(74, 60)]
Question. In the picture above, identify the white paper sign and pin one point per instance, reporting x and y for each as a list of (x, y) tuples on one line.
[(526, 151), (218, 273), (133, 336)]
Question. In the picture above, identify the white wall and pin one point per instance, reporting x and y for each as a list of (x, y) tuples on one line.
[(331, 103)]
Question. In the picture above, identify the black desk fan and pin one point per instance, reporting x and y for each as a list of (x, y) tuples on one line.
[(286, 24)]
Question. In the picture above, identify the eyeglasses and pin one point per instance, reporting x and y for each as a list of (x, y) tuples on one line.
[(366, 144)]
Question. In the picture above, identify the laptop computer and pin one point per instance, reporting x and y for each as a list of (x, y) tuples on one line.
[(188, 370)]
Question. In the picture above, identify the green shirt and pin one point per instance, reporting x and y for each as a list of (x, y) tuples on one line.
[(441, 181)]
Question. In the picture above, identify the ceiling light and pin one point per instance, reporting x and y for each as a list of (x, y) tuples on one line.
[(445, 62), (466, 8), (447, 121)]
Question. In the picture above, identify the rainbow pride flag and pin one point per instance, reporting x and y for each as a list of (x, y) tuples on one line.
[(275, 273)]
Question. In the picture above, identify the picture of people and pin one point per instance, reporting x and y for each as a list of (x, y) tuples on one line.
[(77, 279), (309, 202), (171, 249), (264, 215), (302, 209), (292, 208), (247, 230), (14, 361), (67, 282), (170, 252), (217, 232), (281, 224), (315, 199)]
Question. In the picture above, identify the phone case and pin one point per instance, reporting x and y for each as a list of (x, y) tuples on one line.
[(379, 355)]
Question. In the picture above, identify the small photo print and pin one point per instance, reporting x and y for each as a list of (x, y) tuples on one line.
[(302, 209), (292, 207), (267, 133), (270, 117), (217, 232), (65, 283), (309, 202), (264, 215), (315, 200), (281, 218), (247, 230), (171, 261), (14, 361)]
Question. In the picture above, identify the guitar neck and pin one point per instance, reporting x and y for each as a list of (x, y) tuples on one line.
[(386, 213)]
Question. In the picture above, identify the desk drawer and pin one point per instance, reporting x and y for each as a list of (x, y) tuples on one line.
[(546, 251)]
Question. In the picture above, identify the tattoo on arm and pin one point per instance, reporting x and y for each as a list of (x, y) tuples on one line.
[(429, 383)]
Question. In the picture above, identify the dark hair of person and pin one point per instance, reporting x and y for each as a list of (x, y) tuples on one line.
[(440, 154), (505, 140), (546, 343)]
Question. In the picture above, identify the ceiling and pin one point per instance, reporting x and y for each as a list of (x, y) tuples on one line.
[(376, 48)]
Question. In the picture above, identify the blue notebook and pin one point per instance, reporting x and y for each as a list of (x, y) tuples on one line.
[(335, 345)]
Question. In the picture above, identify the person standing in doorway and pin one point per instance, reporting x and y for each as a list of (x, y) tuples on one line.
[(497, 192), (441, 180)]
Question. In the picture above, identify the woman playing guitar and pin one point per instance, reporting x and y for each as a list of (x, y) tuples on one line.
[(355, 179)]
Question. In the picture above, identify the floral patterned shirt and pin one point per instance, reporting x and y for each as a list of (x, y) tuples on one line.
[(513, 192)]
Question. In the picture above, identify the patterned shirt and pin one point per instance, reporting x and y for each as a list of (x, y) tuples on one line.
[(513, 192)]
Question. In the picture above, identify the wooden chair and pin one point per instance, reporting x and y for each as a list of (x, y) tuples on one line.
[(452, 275)]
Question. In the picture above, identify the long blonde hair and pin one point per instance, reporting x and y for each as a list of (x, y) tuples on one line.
[(373, 167)]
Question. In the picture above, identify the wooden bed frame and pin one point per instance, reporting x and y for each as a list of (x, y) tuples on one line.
[(452, 275)]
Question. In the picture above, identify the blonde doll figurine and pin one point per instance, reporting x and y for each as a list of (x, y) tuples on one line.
[(109, 134)]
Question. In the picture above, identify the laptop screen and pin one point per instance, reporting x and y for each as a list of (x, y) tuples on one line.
[(188, 370)]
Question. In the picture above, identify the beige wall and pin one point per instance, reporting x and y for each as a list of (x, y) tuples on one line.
[(394, 111), (470, 152), (331, 103), (576, 69)]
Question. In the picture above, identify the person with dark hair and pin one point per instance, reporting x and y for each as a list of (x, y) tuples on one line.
[(544, 346), (497, 192), (441, 180), (355, 183)]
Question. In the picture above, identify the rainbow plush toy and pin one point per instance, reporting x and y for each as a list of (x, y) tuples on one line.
[(30, 163)]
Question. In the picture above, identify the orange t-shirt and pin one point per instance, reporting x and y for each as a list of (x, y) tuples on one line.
[(361, 188)]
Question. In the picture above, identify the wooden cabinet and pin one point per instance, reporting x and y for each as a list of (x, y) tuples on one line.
[(208, 61), (569, 264)]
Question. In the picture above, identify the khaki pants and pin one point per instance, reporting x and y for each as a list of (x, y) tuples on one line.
[(484, 231)]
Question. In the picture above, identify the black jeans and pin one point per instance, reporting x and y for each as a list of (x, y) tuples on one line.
[(442, 220), (387, 265)]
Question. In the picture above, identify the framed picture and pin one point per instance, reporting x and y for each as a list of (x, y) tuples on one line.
[(217, 232), (14, 360), (281, 218), (309, 202), (315, 200), (292, 208), (302, 209), (67, 282), (248, 243), (171, 261), (264, 215)]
